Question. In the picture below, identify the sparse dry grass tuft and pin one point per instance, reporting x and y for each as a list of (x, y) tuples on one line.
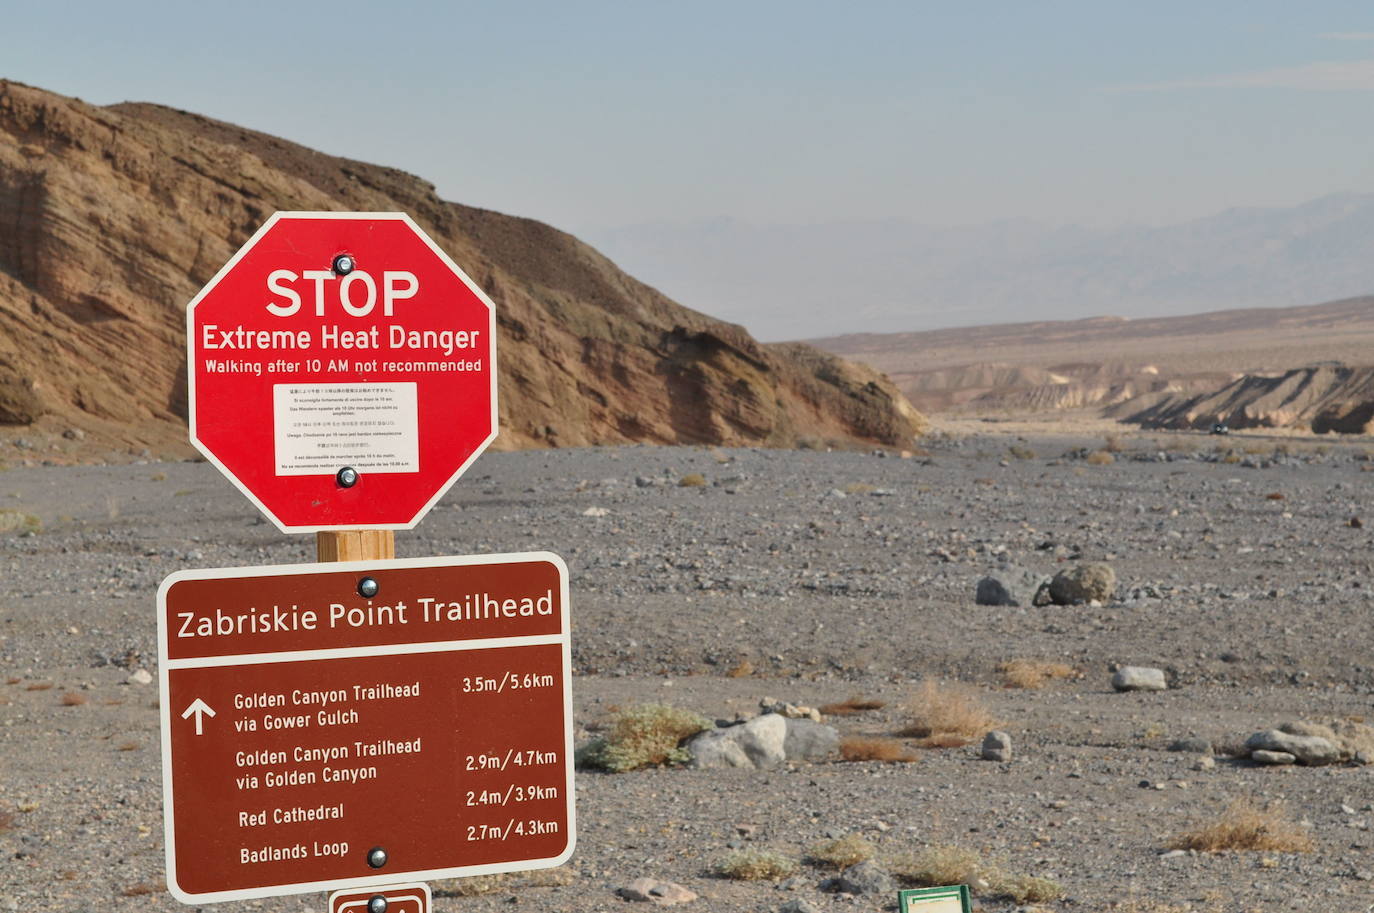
[(947, 710), (843, 852), (875, 748), (643, 736), (691, 480), (1099, 458), (7, 819), (939, 864), (1274, 496), (1026, 889), (944, 740), (859, 488), (13, 680), (1033, 673), (1245, 825), (127, 746), (479, 885), (16, 520), (144, 888), (39, 686), (1112, 444), (743, 669), (73, 699), (1020, 453), (851, 707), (756, 865)]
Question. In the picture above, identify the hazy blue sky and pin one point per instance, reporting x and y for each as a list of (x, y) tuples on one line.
[(592, 114)]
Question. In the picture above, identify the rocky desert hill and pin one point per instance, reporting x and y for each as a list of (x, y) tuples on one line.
[(111, 218), (1322, 398), (1257, 367)]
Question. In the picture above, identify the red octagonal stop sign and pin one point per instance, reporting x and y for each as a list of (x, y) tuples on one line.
[(342, 371)]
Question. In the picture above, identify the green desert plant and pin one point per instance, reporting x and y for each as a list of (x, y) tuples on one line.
[(649, 735), (756, 865)]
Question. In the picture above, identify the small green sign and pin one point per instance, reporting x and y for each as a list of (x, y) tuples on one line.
[(953, 899)]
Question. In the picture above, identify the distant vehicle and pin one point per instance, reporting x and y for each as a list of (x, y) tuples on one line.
[(1220, 428)]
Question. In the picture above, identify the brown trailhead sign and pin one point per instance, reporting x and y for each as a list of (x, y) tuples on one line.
[(317, 739), (400, 898)]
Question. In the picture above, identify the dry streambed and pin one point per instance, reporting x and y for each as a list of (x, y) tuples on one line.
[(810, 578)]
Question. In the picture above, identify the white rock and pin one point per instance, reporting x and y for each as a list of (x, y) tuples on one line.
[(1261, 756), (1139, 678), (140, 677), (1309, 749), (759, 743)]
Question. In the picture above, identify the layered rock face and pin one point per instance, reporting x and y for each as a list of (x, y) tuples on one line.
[(1319, 398), (111, 218)]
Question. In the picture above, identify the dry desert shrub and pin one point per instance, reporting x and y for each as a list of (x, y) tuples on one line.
[(6, 819), (1099, 458), (73, 699), (1021, 453), (743, 669), (127, 746), (859, 488), (649, 735), (1245, 825), (1274, 496), (144, 888), (938, 711), (843, 852), (940, 864), (12, 520), (1026, 889), (691, 480), (852, 706), (39, 686), (13, 680), (1033, 673), (1112, 444), (756, 865), (874, 748)]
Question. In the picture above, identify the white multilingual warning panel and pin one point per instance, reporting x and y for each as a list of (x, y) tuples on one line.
[(369, 427), (314, 739)]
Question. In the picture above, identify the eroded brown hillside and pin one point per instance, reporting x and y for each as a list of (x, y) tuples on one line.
[(112, 217)]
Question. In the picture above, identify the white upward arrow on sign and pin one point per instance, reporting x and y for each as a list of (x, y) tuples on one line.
[(201, 710)]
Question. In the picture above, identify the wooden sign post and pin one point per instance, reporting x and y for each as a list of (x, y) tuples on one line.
[(355, 545)]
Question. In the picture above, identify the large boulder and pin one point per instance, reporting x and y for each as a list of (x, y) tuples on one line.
[(810, 741), (1009, 586), (1093, 582), (1308, 749), (1139, 678), (760, 743)]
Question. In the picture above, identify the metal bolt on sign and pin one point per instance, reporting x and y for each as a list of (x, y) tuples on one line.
[(377, 904), (376, 857)]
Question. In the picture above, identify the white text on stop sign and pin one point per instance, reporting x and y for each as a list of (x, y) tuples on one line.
[(397, 285)]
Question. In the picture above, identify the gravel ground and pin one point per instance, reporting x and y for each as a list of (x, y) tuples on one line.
[(809, 577)]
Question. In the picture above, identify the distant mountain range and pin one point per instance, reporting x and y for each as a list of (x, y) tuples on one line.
[(790, 282)]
